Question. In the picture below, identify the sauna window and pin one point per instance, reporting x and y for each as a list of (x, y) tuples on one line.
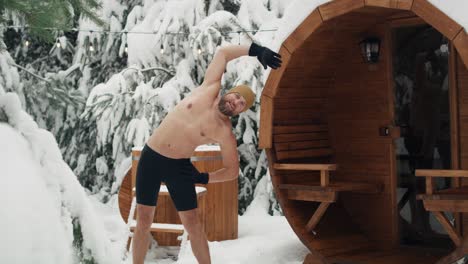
[(421, 90)]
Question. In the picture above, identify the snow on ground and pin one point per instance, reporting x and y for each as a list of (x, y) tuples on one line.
[(263, 239)]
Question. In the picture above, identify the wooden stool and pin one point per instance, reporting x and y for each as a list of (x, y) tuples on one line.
[(165, 228)]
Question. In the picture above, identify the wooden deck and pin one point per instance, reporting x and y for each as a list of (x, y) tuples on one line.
[(404, 255)]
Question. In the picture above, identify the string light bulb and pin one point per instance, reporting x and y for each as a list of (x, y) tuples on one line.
[(199, 50), (91, 48), (26, 43), (126, 49), (162, 48), (58, 44)]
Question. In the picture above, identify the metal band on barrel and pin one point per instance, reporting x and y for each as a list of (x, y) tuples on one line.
[(196, 158)]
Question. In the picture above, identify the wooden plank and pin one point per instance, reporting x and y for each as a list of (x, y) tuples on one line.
[(395, 4), (297, 114), (454, 115), (315, 167), (461, 43), (317, 216), (299, 129), (436, 18), (163, 228), (446, 205), (407, 21), (441, 173), (300, 136), (271, 85), (442, 196), (302, 195), (335, 186), (303, 31), (341, 244), (266, 122), (448, 227), (304, 153), (300, 103), (291, 88), (339, 7), (301, 145)]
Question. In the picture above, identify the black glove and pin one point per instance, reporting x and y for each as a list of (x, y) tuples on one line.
[(201, 177), (266, 56)]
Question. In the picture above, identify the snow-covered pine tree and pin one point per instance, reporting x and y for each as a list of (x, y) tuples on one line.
[(127, 94)]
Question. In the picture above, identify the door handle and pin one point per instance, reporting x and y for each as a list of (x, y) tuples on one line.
[(389, 130)]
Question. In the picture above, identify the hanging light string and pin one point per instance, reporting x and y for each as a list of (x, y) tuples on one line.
[(126, 31), (91, 48), (102, 31)]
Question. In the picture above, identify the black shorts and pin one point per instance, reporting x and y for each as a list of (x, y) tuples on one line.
[(177, 174)]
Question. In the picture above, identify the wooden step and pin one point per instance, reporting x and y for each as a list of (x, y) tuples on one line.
[(311, 196), (304, 166), (341, 186), (163, 228)]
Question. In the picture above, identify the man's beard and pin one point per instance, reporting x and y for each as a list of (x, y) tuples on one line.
[(223, 108)]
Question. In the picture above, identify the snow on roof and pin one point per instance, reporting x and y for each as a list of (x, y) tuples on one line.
[(298, 11)]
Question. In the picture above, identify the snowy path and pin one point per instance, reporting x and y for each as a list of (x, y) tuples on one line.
[(263, 239)]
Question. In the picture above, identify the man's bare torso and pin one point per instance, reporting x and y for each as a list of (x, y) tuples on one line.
[(194, 121)]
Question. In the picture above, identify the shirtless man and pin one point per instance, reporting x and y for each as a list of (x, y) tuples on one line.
[(200, 118)]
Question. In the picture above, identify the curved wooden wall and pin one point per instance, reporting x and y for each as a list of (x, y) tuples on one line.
[(322, 69)]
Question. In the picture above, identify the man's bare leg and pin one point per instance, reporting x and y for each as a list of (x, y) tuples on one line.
[(145, 215), (197, 236)]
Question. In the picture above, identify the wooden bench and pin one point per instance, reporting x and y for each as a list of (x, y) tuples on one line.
[(307, 148), (453, 200)]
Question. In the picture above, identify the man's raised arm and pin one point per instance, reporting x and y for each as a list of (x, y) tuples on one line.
[(222, 56), (227, 53)]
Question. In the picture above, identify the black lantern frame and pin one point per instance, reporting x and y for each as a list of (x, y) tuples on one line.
[(370, 49)]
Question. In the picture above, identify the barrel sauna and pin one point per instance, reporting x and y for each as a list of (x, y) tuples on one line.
[(327, 124), (218, 207)]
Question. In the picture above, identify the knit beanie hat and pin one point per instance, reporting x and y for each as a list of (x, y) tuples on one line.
[(245, 92)]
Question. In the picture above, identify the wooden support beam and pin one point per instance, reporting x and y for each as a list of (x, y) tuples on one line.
[(339, 7), (395, 4), (436, 18), (324, 178), (448, 227), (316, 216), (273, 81), (429, 185), (461, 44)]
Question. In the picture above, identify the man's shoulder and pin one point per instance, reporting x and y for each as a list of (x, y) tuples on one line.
[(211, 89), (209, 86)]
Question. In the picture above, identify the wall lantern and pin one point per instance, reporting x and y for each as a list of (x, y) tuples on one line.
[(370, 49)]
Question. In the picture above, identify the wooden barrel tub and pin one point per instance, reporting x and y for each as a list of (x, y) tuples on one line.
[(218, 207)]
